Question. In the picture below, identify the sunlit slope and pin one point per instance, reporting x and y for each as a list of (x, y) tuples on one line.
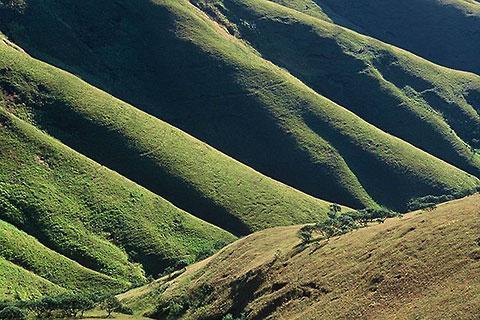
[(446, 32), (90, 214), (421, 266), (18, 283), (191, 72), (45, 268), (175, 165), (400, 93)]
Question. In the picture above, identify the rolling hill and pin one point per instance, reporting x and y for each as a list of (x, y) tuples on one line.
[(197, 76), (84, 226), (424, 265), (398, 92), (446, 32)]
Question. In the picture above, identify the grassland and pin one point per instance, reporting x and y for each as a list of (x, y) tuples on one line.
[(27, 253), (169, 162), (446, 32), (194, 74), (88, 214), (398, 92), (421, 266)]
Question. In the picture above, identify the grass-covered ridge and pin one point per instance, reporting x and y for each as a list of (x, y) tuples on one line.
[(25, 252), (411, 98), (89, 214), (419, 266), (17, 283), (196, 75), (446, 32), (175, 165)]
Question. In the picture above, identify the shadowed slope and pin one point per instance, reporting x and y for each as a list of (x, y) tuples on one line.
[(27, 253), (197, 76), (89, 213), (446, 32), (404, 95), (175, 165)]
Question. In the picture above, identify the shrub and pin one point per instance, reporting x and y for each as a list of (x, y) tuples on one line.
[(12, 312), (337, 223), (229, 316), (306, 233), (111, 304)]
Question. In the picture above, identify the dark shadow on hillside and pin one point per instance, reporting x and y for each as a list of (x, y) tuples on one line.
[(138, 57)]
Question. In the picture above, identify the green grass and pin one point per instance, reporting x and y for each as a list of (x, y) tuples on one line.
[(17, 283), (178, 65), (184, 170), (26, 252), (446, 32), (90, 214), (419, 266), (406, 96)]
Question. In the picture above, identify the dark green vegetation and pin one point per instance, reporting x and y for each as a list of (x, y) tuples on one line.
[(107, 230), (65, 306), (338, 223), (187, 172), (424, 265), (446, 32), (198, 72)]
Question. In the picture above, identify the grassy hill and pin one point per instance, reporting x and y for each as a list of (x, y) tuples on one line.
[(424, 104), (18, 283), (193, 73), (169, 162), (420, 266), (89, 214), (45, 270), (446, 32)]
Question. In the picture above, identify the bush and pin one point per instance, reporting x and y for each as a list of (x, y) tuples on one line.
[(429, 202), (69, 304), (111, 304), (306, 233), (337, 223), (229, 316), (13, 313)]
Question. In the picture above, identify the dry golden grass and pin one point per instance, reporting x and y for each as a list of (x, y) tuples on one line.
[(425, 265)]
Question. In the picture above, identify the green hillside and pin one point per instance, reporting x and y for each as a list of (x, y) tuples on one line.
[(171, 152), (18, 283), (446, 32), (89, 214), (190, 71), (404, 95), (424, 265), (173, 164), (25, 253)]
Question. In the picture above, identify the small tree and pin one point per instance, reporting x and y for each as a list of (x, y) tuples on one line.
[(306, 233), (12, 313), (111, 304)]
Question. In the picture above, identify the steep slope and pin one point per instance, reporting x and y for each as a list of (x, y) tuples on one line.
[(175, 165), (194, 74), (18, 283), (27, 253), (446, 32), (425, 265), (89, 214), (404, 95)]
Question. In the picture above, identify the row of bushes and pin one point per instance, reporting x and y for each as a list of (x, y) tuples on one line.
[(338, 223), (429, 202), (66, 306)]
